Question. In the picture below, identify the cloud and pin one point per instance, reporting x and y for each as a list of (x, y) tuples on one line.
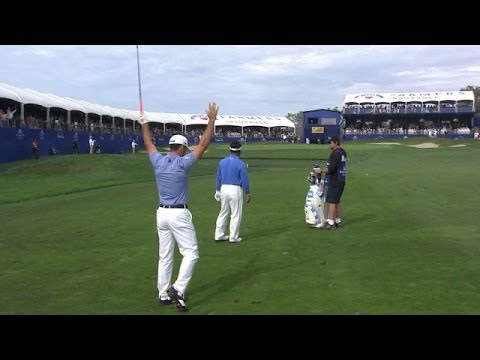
[(475, 68), (243, 79), (33, 51)]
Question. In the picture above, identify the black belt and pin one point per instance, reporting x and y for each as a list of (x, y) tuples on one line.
[(180, 206)]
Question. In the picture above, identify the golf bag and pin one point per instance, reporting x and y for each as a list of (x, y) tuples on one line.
[(315, 209)]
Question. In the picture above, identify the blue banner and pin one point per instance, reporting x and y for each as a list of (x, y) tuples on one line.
[(16, 143)]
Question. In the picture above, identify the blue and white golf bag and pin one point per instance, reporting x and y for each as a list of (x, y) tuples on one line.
[(315, 209)]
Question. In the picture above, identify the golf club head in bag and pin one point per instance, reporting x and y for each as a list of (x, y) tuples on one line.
[(312, 178)]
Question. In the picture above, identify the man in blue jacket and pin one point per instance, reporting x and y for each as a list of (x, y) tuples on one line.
[(231, 186)]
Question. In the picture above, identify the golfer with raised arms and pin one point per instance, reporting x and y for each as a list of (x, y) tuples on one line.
[(174, 219)]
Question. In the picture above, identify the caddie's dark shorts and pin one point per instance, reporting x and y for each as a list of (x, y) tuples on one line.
[(334, 194)]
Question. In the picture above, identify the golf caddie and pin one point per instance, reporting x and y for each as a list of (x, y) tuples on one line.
[(335, 176)]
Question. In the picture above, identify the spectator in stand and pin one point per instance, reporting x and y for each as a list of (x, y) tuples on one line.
[(10, 116), (3, 118), (91, 143)]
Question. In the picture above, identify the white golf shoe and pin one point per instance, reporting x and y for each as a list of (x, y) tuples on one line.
[(222, 238)]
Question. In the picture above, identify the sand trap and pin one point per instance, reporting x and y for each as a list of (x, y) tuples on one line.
[(385, 143), (459, 145), (429, 145)]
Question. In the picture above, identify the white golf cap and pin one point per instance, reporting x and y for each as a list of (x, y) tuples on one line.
[(179, 139)]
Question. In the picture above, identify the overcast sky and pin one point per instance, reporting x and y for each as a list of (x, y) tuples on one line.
[(243, 79)]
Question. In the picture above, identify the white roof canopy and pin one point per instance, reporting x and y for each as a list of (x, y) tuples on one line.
[(91, 108), (9, 94), (25, 96), (54, 100), (195, 119), (262, 121), (130, 114), (166, 118)]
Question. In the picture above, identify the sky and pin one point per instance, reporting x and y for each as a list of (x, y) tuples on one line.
[(261, 80)]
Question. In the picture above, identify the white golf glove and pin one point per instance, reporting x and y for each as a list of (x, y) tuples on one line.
[(142, 119), (217, 195)]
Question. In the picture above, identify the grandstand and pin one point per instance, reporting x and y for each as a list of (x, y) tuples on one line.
[(445, 114), (56, 121)]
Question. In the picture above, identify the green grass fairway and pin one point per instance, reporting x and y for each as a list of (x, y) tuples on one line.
[(78, 234)]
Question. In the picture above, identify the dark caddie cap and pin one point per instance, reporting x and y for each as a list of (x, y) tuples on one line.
[(235, 146), (334, 139)]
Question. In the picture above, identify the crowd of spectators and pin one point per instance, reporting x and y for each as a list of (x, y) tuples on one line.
[(419, 128), (411, 107), (58, 122)]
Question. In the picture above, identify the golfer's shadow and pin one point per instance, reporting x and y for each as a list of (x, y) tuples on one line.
[(208, 291)]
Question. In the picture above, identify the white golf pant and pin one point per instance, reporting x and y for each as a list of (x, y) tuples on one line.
[(175, 225), (231, 205)]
